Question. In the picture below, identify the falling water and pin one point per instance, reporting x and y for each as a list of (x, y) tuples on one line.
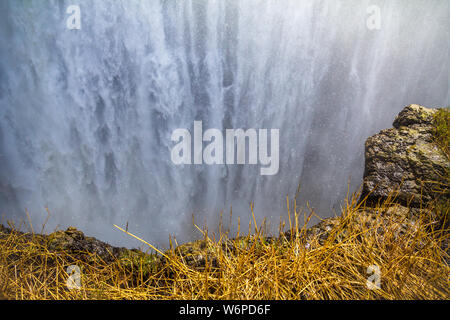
[(86, 115)]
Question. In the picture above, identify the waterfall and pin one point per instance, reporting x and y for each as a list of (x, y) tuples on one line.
[(86, 116)]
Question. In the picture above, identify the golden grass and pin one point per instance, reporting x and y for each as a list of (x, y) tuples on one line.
[(411, 256), (442, 128)]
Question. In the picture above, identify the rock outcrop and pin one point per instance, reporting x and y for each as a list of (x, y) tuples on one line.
[(82, 248), (74, 241), (406, 160)]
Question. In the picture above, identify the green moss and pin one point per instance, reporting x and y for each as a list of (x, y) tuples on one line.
[(138, 260), (442, 129), (442, 138)]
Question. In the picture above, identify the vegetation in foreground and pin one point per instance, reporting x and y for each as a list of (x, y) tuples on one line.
[(327, 262), (442, 129), (337, 259)]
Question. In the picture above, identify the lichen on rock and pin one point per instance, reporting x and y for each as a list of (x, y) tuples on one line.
[(405, 160)]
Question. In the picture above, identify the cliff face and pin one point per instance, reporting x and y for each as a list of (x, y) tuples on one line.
[(406, 159)]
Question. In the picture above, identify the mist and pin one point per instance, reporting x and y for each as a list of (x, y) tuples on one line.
[(87, 115)]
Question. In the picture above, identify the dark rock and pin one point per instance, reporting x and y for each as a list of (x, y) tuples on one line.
[(75, 242), (76, 248), (406, 160), (414, 115)]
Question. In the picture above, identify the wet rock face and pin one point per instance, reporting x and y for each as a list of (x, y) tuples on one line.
[(405, 158)]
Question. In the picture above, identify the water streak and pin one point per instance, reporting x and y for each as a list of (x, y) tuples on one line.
[(86, 115)]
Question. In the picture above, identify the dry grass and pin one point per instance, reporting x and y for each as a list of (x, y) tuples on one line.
[(298, 264), (442, 128)]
